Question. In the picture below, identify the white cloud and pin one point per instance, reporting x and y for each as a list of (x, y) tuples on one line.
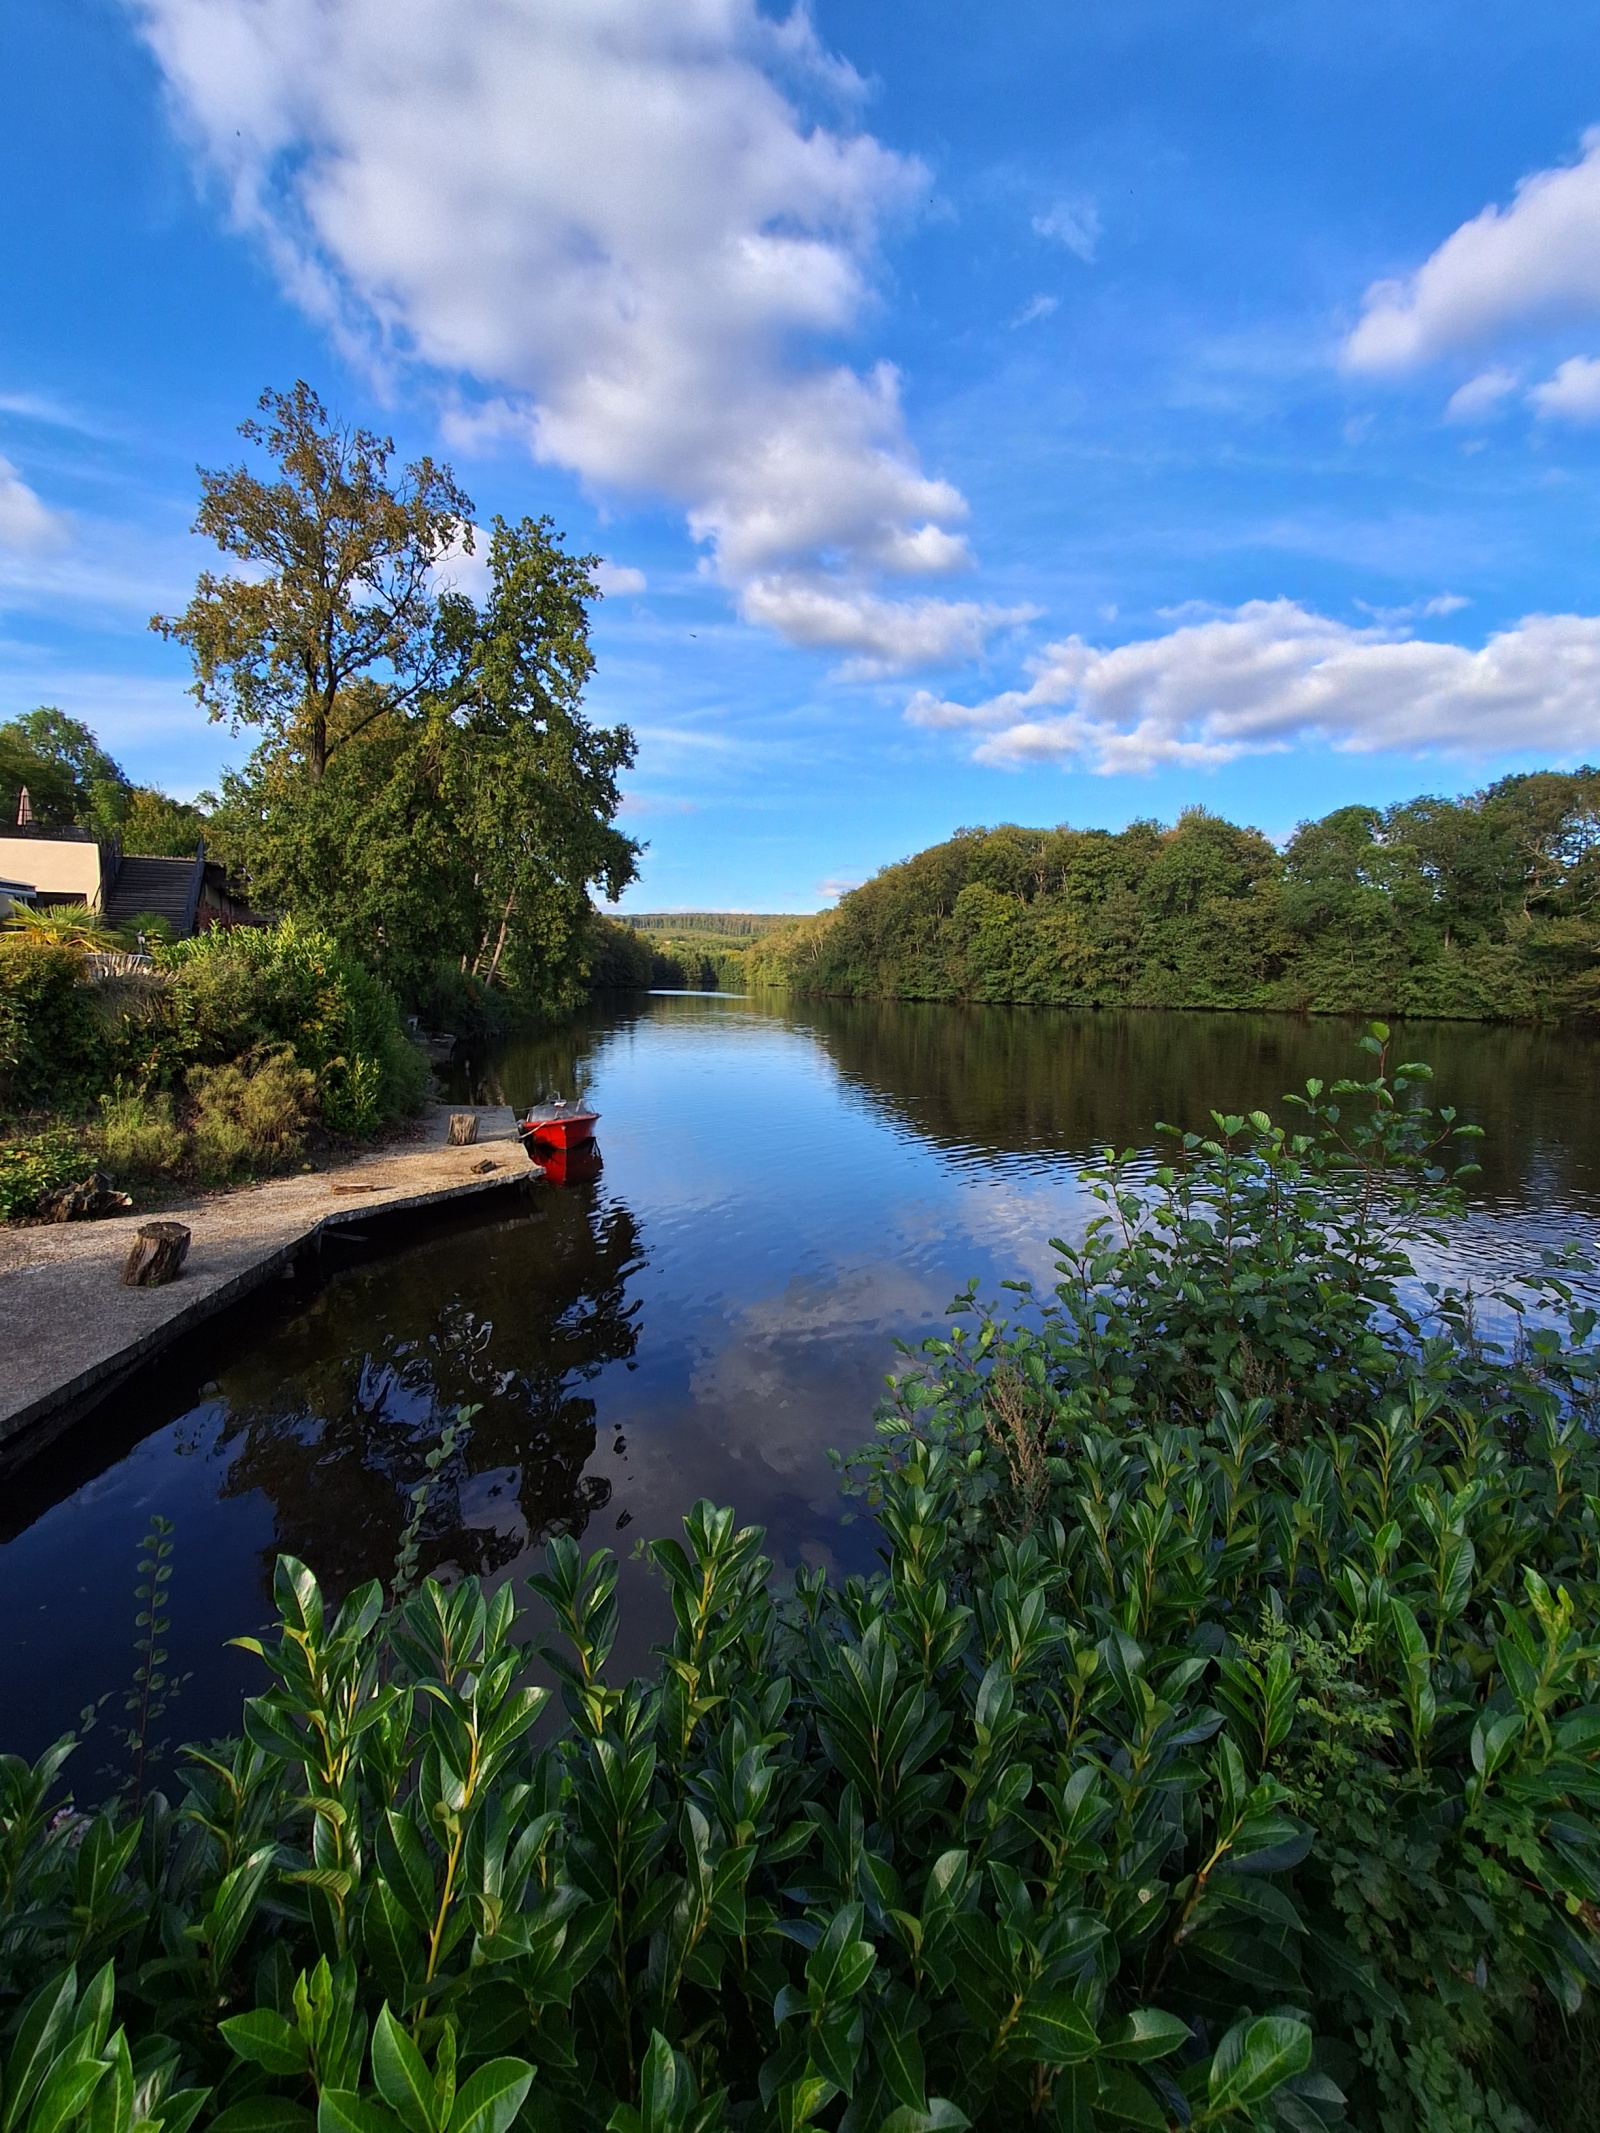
[(624, 222), (1074, 224), (885, 636), (457, 571), (1270, 674), (837, 885), (1507, 269), (1573, 394), (616, 579), (1481, 396), (1035, 308), (1439, 604), (27, 526)]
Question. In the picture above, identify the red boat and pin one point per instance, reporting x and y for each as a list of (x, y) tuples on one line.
[(553, 1126)]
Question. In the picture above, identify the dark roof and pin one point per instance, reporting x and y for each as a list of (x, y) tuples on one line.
[(165, 888), (35, 834)]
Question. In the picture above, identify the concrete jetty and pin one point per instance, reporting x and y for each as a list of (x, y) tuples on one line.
[(69, 1331)]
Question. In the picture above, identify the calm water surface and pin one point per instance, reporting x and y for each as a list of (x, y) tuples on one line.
[(786, 1191)]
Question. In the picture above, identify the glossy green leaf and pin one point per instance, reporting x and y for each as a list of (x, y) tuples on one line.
[(46, 2017), (1147, 2033), (1254, 2058), (1055, 2031), (489, 2099), (266, 2040), (1123, 2100), (402, 2076), (344, 2111), (64, 2092)]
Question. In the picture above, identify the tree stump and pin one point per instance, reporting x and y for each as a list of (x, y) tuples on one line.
[(92, 1197), (161, 1249), (463, 1129)]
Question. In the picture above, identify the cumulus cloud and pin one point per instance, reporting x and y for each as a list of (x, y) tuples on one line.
[(1074, 224), (1262, 677), (27, 527), (1573, 394), (1532, 263), (1481, 396), (616, 579), (625, 224), (885, 636)]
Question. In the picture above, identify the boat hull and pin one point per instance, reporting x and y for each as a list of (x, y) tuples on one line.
[(542, 1134)]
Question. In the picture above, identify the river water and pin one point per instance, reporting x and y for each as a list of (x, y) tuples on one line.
[(786, 1191)]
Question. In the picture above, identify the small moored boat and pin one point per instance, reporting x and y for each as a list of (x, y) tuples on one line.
[(557, 1125)]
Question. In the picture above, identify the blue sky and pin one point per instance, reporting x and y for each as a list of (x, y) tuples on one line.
[(1027, 414)]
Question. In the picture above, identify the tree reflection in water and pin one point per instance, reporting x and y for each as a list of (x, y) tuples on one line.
[(332, 1423)]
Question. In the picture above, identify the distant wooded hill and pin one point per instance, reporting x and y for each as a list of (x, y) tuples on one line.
[(1483, 907), (676, 925)]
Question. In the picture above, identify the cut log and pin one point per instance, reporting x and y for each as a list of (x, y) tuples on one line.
[(161, 1249), (463, 1129), (91, 1197)]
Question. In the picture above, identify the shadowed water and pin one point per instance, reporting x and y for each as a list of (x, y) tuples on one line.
[(786, 1191)]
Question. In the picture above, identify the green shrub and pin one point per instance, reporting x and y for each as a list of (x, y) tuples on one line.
[(250, 1115), (1239, 1429), (37, 1164), (55, 1047), (234, 991), (208, 1002), (141, 1133), (13, 1036), (453, 999), (152, 927)]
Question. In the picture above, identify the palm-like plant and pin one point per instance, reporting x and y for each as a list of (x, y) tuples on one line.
[(73, 925)]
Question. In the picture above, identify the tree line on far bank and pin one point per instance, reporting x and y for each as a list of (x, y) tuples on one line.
[(1481, 907)]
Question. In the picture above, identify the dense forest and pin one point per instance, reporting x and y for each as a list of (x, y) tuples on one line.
[(724, 925), (1486, 906)]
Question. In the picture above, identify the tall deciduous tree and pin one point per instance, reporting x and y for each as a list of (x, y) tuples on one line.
[(468, 826), (333, 624)]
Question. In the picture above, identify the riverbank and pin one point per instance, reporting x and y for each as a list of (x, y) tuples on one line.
[(72, 1331)]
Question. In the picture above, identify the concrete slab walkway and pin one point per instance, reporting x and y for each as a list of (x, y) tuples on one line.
[(69, 1330)]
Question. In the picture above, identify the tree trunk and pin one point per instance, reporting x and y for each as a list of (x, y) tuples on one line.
[(160, 1251), (500, 943)]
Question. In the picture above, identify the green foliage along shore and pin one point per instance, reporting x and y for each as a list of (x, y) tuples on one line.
[(208, 1059), (1217, 1747), (1481, 907)]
